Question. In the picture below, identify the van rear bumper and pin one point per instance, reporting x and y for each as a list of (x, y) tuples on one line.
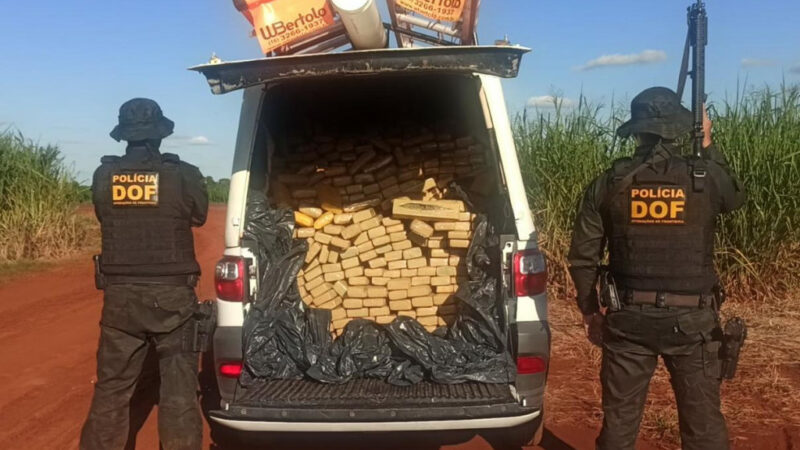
[(261, 419)]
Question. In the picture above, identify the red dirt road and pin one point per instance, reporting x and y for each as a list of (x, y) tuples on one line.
[(49, 331)]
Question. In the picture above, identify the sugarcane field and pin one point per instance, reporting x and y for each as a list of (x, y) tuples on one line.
[(400, 224)]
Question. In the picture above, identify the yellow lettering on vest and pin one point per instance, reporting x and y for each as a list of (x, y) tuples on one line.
[(638, 209), (117, 192), (634, 193), (149, 192), (135, 192), (658, 209), (675, 208)]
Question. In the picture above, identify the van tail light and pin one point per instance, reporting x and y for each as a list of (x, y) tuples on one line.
[(530, 273), (231, 369), (529, 365), (230, 279)]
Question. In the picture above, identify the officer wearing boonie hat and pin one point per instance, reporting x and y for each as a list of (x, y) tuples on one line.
[(147, 203), (656, 211)]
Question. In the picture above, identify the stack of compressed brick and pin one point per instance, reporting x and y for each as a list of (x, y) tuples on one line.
[(382, 240)]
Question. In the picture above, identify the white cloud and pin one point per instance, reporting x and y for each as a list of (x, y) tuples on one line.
[(644, 57), (186, 141), (199, 140), (757, 62), (550, 101)]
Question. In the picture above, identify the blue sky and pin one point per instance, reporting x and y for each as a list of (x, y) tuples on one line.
[(68, 65)]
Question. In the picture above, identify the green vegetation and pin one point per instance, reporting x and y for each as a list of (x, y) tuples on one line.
[(758, 250), (218, 190), (38, 200)]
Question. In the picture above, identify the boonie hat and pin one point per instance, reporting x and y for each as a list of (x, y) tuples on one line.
[(141, 119), (658, 111)]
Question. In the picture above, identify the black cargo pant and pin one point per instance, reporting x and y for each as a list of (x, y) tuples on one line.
[(633, 340), (135, 317)]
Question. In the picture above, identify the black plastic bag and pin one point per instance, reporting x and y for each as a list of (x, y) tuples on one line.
[(284, 339)]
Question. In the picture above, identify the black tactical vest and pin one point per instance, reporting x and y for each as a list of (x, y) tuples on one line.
[(145, 221), (661, 227)]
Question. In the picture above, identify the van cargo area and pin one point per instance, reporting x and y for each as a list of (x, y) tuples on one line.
[(376, 140)]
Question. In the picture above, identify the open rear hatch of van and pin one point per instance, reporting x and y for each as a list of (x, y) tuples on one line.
[(501, 61), (308, 87)]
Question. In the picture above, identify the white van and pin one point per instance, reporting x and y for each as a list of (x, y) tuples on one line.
[(460, 84)]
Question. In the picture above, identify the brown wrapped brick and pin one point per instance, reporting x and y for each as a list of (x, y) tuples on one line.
[(373, 272), (435, 210), (421, 228), (353, 303), (377, 292), (419, 281), (450, 289), (399, 284), (340, 287), (429, 320), (408, 273), (440, 281), (349, 263), (420, 291), (333, 230), (312, 274), (372, 189), (397, 295), (315, 282), (333, 256), (357, 313), (398, 236), (380, 281), (438, 262), (412, 253), (426, 311), (458, 243), (445, 271), (400, 305), (334, 276), (388, 222), (350, 252), (322, 238), (357, 281), (374, 302), (422, 302), (340, 243), (454, 260), (399, 264), (380, 241), (357, 291), (365, 247), (364, 178), (436, 243), (313, 250), (376, 232), (338, 313), (381, 311), (324, 254), (391, 273), (417, 263), (328, 268), (371, 223), (311, 211), (354, 189), (394, 228), (377, 262), (427, 271), (305, 232), (393, 255), (411, 313), (351, 231), (459, 235), (383, 250), (361, 216), (331, 304), (368, 255), (357, 271), (402, 245), (384, 319), (342, 219), (323, 298)]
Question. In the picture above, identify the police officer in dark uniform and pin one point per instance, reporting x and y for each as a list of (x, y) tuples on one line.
[(147, 203), (657, 213)]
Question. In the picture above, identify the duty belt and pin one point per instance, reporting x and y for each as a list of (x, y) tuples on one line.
[(170, 280), (664, 299)]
